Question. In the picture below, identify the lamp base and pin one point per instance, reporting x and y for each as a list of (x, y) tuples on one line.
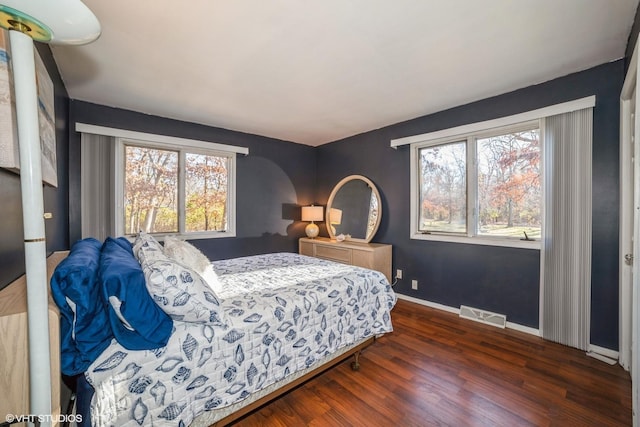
[(312, 230)]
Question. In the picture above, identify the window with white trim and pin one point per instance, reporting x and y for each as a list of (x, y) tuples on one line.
[(484, 185), (553, 127), (166, 188)]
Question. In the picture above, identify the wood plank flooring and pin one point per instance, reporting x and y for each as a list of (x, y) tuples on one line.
[(436, 369)]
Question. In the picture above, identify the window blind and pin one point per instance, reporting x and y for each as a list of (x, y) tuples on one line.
[(566, 250)]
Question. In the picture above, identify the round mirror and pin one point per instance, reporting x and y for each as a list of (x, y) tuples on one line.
[(354, 209)]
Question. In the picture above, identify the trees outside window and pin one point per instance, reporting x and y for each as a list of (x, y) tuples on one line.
[(509, 187), (443, 188), (482, 185), (206, 193), (175, 190), (151, 190)]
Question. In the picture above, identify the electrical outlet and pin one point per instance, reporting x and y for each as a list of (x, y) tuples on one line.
[(414, 285), (398, 274)]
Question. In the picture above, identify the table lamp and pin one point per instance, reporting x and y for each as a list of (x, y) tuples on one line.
[(312, 213)]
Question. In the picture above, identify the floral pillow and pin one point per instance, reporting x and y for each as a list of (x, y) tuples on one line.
[(182, 293), (178, 289), (146, 248)]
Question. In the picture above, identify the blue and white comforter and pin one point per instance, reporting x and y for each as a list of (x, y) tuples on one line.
[(284, 311)]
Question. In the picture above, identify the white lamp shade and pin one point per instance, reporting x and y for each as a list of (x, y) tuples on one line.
[(59, 22), (312, 213), (335, 216)]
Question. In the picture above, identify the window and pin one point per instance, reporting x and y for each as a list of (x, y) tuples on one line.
[(174, 189), (483, 185), (508, 162), (132, 181), (443, 188), (509, 188), (150, 190)]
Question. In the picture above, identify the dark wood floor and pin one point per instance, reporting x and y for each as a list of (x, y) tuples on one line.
[(438, 369)]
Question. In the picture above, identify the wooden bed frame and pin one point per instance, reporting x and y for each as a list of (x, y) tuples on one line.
[(14, 377)]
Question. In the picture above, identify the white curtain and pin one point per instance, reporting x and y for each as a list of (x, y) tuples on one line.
[(97, 196), (566, 252)]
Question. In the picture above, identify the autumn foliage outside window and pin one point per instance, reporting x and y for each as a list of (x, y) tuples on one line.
[(497, 176), (443, 188), (206, 193), (509, 187), (156, 196)]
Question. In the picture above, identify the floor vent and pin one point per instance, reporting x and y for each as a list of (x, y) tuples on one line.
[(483, 316)]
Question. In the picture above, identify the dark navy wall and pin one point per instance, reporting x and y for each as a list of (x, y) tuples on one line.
[(55, 199), (272, 181), (504, 280)]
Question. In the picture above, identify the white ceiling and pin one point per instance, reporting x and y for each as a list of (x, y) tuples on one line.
[(313, 72)]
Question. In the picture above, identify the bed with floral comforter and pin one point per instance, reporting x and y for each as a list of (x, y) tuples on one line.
[(279, 314)]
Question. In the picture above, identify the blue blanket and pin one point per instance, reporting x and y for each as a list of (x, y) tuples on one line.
[(84, 326)]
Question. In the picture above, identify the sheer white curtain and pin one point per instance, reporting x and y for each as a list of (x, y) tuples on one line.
[(97, 196), (566, 252)]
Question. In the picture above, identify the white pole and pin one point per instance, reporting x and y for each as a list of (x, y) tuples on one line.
[(24, 76)]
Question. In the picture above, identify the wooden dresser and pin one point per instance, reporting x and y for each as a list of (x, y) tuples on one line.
[(376, 256), (14, 347)]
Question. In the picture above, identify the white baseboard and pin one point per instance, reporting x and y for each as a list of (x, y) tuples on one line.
[(602, 358), (526, 329), (596, 350), (606, 352), (438, 306), (429, 304)]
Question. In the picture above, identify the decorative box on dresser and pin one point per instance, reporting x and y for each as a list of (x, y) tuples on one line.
[(14, 348), (376, 256)]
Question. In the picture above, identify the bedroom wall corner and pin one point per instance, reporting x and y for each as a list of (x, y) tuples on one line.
[(498, 279), (272, 181)]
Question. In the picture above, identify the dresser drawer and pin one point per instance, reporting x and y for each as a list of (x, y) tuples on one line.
[(375, 256), (334, 253), (306, 248), (363, 259)]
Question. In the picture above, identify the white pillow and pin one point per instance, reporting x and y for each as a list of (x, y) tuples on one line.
[(187, 254)]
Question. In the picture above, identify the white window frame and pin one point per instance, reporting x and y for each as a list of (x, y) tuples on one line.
[(479, 127), (169, 143), (471, 236), (182, 149)]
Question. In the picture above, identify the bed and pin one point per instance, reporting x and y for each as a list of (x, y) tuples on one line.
[(242, 331)]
